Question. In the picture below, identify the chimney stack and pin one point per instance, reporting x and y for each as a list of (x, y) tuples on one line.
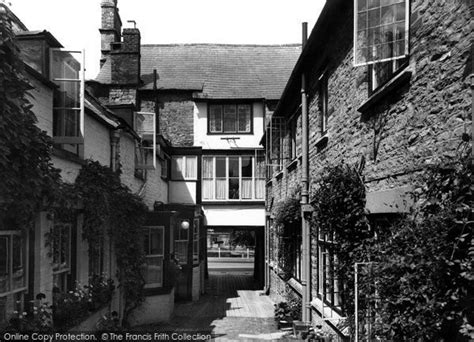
[(111, 27)]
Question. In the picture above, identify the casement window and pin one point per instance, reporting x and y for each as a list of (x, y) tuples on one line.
[(96, 258), (381, 73), (13, 246), (61, 252), (154, 248), (233, 177), (144, 124), (275, 135), (381, 30), (328, 283), (230, 118), (323, 104), (184, 168), (67, 71)]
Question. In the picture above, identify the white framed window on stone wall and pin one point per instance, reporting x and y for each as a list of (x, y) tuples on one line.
[(61, 253), (144, 124), (381, 38), (183, 167), (239, 178), (181, 242), (275, 135), (154, 248), (230, 118), (13, 263), (68, 73), (323, 98), (381, 30)]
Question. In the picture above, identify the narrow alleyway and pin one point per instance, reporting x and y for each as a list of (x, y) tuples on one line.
[(232, 309)]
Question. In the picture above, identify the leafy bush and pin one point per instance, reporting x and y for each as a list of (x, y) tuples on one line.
[(288, 310), (425, 263), (38, 318)]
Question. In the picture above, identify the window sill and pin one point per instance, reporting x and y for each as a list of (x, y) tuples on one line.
[(292, 165), (60, 153), (279, 175), (322, 141), (400, 79), (234, 202), (295, 285)]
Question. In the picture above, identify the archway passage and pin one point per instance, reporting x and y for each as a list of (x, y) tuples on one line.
[(236, 250)]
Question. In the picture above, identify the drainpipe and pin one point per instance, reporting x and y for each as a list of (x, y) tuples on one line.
[(305, 206), (114, 143)]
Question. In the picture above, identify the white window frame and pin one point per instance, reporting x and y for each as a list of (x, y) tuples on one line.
[(24, 239), (78, 140), (355, 37), (236, 131), (149, 256), (59, 268), (144, 124), (214, 178), (175, 173), (323, 93), (196, 240)]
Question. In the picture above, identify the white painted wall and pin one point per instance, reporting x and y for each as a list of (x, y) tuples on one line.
[(201, 138), (182, 192), (234, 215)]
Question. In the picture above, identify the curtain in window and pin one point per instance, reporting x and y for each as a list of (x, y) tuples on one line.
[(177, 168), (215, 118), (208, 177), (244, 118), (154, 270), (191, 167)]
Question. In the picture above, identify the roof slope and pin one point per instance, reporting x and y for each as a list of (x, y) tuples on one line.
[(217, 71)]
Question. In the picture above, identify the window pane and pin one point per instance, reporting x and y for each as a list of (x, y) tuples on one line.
[(220, 167), (18, 250), (244, 118), (221, 188), (177, 168), (207, 167), (215, 118), (233, 188), (181, 251), (154, 270), (156, 241), (233, 166), (230, 119), (247, 188), (246, 166), (259, 188), (191, 167)]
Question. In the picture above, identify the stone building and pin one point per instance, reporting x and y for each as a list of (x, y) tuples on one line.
[(211, 102), (398, 106)]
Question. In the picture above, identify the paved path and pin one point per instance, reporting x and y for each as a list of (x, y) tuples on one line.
[(232, 309)]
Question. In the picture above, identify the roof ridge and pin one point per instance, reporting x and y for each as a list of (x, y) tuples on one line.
[(223, 44)]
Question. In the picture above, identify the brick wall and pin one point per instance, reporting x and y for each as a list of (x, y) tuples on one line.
[(175, 116)]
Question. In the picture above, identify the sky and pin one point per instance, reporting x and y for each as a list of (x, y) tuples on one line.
[(75, 23)]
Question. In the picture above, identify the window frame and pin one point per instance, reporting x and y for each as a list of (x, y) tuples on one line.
[(61, 140), (148, 254), (323, 103), (328, 292), (397, 66), (226, 132), (406, 38), (254, 159), (9, 277)]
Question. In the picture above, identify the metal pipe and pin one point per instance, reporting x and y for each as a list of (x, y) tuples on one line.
[(306, 239)]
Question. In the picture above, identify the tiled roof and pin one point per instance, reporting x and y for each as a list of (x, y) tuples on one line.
[(217, 71)]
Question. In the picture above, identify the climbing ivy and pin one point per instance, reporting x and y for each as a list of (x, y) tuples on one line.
[(287, 223), (339, 213), (28, 179), (111, 208)]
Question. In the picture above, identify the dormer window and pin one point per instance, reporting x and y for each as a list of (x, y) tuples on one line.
[(230, 118)]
